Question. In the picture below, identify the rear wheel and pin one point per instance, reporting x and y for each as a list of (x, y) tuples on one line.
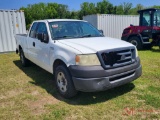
[(136, 41), (24, 60), (64, 83)]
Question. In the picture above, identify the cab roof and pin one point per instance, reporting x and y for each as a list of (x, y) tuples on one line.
[(148, 9), (55, 20)]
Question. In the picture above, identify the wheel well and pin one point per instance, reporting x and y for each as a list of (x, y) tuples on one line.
[(135, 36), (57, 63), (20, 48), (17, 50)]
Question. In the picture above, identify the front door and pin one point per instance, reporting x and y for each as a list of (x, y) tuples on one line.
[(146, 23), (43, 51)]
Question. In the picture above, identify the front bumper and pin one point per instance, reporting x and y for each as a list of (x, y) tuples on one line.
[(95, 78)]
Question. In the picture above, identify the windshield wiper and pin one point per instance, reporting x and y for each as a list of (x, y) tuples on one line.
[(65, 36), (86, 35), (70, 37), (89, 35)]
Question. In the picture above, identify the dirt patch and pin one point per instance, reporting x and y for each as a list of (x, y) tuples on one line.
[(7, 104), (11, 93), (38, 107)]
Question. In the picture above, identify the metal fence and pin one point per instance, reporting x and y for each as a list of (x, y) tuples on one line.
[(11, 22), (112, 25)]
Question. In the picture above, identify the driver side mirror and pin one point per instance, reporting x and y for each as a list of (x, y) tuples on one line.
[(43, 37)]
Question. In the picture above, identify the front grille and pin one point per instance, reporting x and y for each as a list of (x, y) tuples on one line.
[(119, 57)]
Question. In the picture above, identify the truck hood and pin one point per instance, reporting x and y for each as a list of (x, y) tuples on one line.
[(94, 44)]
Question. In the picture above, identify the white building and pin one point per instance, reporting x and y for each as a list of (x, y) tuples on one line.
[(112, 25), (11, 22)]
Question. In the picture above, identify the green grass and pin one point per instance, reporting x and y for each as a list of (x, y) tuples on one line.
[(29, 93)]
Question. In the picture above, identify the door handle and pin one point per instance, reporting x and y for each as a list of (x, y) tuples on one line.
[(33, 44)]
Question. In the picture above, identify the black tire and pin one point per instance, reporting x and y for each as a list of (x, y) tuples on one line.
[(136, 41), (148, 47), (23, 59), (64, 83)]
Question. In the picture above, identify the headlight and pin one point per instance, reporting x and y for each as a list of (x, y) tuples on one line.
[(87, 60), (136, 52)]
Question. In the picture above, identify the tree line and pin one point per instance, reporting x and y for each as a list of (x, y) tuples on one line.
[(59, 11)]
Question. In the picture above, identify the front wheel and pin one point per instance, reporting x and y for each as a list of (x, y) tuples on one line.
[(136, 41), (64, 83)]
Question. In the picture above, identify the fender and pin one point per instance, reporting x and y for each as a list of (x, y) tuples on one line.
[(137, 35), (68, 59)]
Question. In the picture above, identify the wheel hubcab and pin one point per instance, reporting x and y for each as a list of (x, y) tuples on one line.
[(62, 82), (134, 42)]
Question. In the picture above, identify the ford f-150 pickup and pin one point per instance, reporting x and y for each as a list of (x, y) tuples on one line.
[(79, 56)]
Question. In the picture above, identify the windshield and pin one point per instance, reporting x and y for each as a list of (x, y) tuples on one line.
[(156, 21), (72, 29)]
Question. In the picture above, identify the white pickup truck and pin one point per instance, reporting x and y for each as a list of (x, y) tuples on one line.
[(78, 55)]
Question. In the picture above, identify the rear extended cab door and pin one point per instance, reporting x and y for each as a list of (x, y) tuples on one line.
[(31, 40)]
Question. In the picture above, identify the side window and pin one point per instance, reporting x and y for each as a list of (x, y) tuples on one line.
[(146, 20), (42, 28), (32, 33), (42, 33)]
